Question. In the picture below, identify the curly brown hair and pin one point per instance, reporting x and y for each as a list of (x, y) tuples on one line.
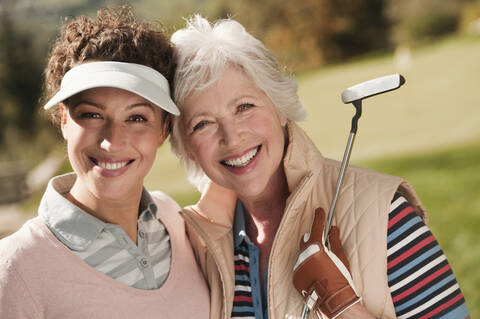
[(113, 35)]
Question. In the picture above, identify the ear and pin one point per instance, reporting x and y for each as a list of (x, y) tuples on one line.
[(165, 129), (191, 156), (282, 118), (63, 109)]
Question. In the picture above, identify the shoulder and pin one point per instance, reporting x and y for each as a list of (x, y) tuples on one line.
[(168, 210), (369, 183), (21, 243), (24, 251), (362, 171), (164, 202), (20, 256)]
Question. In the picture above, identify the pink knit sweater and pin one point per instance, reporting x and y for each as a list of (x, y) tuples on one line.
[(41, 278)]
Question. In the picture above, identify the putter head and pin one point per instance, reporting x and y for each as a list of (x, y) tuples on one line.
[(372, 87)]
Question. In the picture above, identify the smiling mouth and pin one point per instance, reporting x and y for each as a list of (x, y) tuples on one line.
[(243, 160), (111, 165)]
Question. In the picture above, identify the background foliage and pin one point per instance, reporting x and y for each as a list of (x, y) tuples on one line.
[(304, 35)]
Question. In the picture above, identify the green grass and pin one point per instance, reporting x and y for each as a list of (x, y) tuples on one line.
[(448, 183), (438, 105)]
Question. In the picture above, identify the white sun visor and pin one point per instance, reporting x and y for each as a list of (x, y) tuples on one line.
[(136, 78)]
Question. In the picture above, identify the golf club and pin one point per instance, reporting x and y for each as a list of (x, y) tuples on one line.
[(355, 95)]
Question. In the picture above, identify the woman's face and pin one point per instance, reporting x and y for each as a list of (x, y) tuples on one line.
[(236, 135), (112, 137)]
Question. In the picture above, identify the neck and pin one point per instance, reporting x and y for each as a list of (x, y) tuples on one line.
[(122, 212), (264, 214)]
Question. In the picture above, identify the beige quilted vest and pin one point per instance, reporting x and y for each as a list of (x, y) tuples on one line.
[(361, 215)]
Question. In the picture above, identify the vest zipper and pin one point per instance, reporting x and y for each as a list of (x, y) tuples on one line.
[(299, 190)]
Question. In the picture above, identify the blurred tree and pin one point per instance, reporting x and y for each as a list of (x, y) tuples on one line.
[(303, 34), (313, 32), (358, 27), (417, 21), (470, 18), (20, 77)]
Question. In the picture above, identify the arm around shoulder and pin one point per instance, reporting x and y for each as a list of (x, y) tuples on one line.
[(164, 201)]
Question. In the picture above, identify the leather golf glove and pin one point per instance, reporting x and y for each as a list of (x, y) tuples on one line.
[(321, 275)]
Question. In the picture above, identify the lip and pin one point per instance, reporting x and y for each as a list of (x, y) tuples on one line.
[(110, 167), (244, 169), (231, 157)]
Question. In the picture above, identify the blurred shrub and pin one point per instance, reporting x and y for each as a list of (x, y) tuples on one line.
[(303, 34), (470, 18), (309, 33), (418, 21), (24, 135), (433, 21)]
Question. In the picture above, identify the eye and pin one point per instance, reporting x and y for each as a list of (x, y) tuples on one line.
[(90, 115), (137, 118), (244, 107), (199, 125)]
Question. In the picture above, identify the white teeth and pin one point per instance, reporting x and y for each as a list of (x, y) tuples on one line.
[(243, 160), (112, 166)]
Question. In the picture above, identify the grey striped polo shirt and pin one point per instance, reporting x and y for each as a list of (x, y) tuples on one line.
[(106, 247)]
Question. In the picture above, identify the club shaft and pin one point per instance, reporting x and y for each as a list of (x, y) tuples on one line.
[(346, 159)]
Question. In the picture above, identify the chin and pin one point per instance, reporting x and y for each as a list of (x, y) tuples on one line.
[(112, 192), (250, 191)]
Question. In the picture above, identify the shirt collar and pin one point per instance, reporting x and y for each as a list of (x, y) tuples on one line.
[(148, 208), (239, 232), (73, 226)]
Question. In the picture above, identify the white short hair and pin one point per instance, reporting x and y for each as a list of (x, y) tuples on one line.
[(203, 52)]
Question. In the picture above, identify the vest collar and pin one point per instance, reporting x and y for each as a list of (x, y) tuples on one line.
[(301, 156)]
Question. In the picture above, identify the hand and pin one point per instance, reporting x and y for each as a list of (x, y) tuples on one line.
[(322, 275)]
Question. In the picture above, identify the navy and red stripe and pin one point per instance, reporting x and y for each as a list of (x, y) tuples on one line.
[(421, 281), (242, 299)]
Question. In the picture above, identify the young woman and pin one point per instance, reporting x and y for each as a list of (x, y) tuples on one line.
[(102, 245), (262, 179)]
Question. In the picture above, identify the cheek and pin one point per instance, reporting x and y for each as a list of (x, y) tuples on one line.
[(77, 138), (147, 144), (273, 133), (200, 150), (77, 143), (266, 127)]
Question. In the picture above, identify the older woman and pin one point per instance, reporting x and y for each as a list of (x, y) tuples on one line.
[(262, 179)]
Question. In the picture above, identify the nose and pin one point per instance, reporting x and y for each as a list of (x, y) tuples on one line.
[(113, 137), (230, 132)]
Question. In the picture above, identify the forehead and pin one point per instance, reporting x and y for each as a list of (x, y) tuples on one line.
[(233, 80), (232, 84)]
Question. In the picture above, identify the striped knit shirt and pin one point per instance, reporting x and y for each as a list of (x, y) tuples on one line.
[(243, 302), (421, 281), (106, 247), (247, 301)]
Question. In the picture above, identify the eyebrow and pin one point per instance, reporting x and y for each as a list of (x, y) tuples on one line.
[(232, 102), (87, 102), (236, 99), (192, 118), (142, 104)]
